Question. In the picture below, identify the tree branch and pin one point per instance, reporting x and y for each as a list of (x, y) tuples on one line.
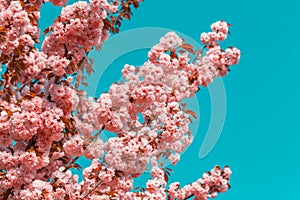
[(91, 190), (7, 193)]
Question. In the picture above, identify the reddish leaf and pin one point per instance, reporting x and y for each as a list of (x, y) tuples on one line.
[(39, 151), (76, 166), (192, 113), (33, 9), (136, 4), (47, 30), (85, 83), (181, 51), (111, 193), (118, 23), (2, 29), (58, 19), (22, 4), (189, 48), (92, 176), (166, 177)]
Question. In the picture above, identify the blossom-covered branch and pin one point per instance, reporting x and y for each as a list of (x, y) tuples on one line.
[(46, 123)]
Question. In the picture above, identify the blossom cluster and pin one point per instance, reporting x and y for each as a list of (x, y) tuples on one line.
[(155, 91), (46, 123), (145, 111), (16, 27), (78, 29), (208, 186)]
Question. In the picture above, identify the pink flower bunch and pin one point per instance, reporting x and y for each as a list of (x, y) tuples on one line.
[(212, 183), (85, 118), (37, 115), (65, 97), (78, 29), (94, 150), (219, 33), (104, 182), (216, 56), (47, 123), (154, 90), (128, 154), (16, 27)]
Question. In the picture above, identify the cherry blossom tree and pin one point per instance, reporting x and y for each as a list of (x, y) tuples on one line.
[(47, 123)]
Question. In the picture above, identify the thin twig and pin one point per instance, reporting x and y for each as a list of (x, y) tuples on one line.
[(31, 142), (91, 190), (71, 163), (199, 53), (100, 131), (7, 193)]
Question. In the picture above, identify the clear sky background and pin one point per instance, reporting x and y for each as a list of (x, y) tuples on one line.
[(260, 139)]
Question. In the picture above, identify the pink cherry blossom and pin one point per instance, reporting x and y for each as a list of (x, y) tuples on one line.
[(74, 147), (47, 123)]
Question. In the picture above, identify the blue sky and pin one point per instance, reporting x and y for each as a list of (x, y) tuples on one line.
[(260, 139)]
